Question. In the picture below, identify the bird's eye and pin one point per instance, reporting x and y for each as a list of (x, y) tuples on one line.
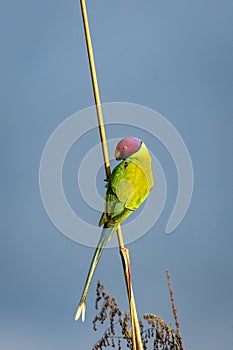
[(125, 148)]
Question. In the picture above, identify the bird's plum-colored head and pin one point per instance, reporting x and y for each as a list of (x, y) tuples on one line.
[(127, 147)]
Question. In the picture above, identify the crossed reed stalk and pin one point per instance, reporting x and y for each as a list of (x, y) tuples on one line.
[(124, 252)]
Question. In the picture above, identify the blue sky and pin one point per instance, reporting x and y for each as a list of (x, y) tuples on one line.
[(172, 56)]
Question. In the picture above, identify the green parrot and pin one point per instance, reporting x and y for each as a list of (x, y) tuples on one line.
[(129, 184)]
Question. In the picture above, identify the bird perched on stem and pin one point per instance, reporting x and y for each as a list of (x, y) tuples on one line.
[(129, 184)]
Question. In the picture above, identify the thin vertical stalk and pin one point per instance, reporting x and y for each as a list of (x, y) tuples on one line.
[(136, 337), (174, 309), (95, 88)]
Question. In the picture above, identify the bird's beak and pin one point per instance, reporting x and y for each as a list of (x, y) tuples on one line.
[(117, 154)]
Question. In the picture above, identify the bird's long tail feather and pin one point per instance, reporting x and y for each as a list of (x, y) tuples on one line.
[(105, 235)]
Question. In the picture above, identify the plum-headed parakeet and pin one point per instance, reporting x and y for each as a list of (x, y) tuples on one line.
[(129, 184)]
